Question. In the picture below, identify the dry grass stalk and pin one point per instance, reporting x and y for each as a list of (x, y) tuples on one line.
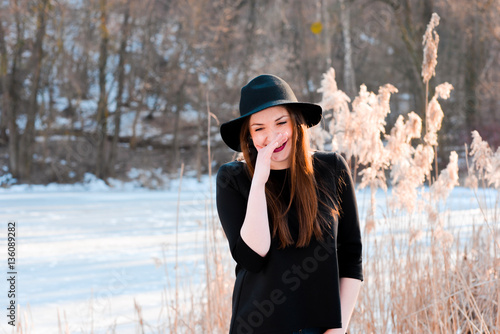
[(430, 44), (207, 308), (140, 320)]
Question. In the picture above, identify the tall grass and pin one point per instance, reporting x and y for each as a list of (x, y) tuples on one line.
[(429, 285), (207, 307)]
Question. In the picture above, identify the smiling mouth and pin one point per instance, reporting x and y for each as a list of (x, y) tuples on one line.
[(279, 149)]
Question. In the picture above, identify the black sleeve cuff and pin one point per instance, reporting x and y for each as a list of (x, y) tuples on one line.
[(247, 257)]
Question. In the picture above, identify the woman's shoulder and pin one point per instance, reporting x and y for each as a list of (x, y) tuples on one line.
[(232, 172), (333, 159), (326, 156), (331, 166), (234, 167)]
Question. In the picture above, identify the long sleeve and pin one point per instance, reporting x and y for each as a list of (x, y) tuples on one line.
[(233, 186), (349, 246)]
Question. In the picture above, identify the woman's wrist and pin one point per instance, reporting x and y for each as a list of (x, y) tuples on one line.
[(258, 182)]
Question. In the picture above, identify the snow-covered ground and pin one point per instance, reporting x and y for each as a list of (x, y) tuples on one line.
[(87, 252)]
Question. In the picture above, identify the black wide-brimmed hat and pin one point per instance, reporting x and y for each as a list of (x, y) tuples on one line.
[(260, 93)]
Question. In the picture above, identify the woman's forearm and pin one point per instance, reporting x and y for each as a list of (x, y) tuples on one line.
[(349, 290), (255, 229)]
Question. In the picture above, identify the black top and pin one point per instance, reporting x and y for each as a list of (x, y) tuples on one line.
[(290, 288)]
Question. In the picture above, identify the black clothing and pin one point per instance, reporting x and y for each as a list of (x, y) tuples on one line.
[(291, 288)]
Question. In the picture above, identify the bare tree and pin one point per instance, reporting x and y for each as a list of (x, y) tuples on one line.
[(155, 60), (125, 30), (10, 84), (27, 139), (102, 105), (411, 28), (6, 100), (349, 75)]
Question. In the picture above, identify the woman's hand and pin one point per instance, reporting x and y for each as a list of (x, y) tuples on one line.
[(263, 163), (349, 290)]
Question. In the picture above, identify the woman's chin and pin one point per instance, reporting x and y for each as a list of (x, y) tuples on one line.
[(279, 161)]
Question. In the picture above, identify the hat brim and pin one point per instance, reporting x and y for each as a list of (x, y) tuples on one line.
[(230, 131)]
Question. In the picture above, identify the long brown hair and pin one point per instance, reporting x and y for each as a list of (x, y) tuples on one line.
[(301, 176)]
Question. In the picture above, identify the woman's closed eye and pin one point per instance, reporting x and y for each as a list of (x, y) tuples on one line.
[(279, 123)]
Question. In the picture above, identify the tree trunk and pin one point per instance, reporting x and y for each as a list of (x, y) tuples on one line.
[(349, 75), (9, 101), (472, 69), (27, 140), (11, 95), (199, 151), (121, 83), (249, 40), (6, 98), (102, 106), (413, 44), (179, 105), (133, 138), (327, 34), (5, 87), (301, 60)]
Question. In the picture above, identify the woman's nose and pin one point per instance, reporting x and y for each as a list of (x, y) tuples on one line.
[(269, 136)]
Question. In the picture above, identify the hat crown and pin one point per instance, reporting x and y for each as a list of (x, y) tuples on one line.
[(263, 92)]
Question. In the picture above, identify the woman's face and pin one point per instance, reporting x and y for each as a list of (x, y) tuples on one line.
[(265, 126)]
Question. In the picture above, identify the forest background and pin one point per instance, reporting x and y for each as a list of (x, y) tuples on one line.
[(104, 86)]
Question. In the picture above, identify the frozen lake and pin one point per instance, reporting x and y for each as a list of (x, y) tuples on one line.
[(88, 254)]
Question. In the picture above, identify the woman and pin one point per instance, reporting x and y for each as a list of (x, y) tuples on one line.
[(290, 217)]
